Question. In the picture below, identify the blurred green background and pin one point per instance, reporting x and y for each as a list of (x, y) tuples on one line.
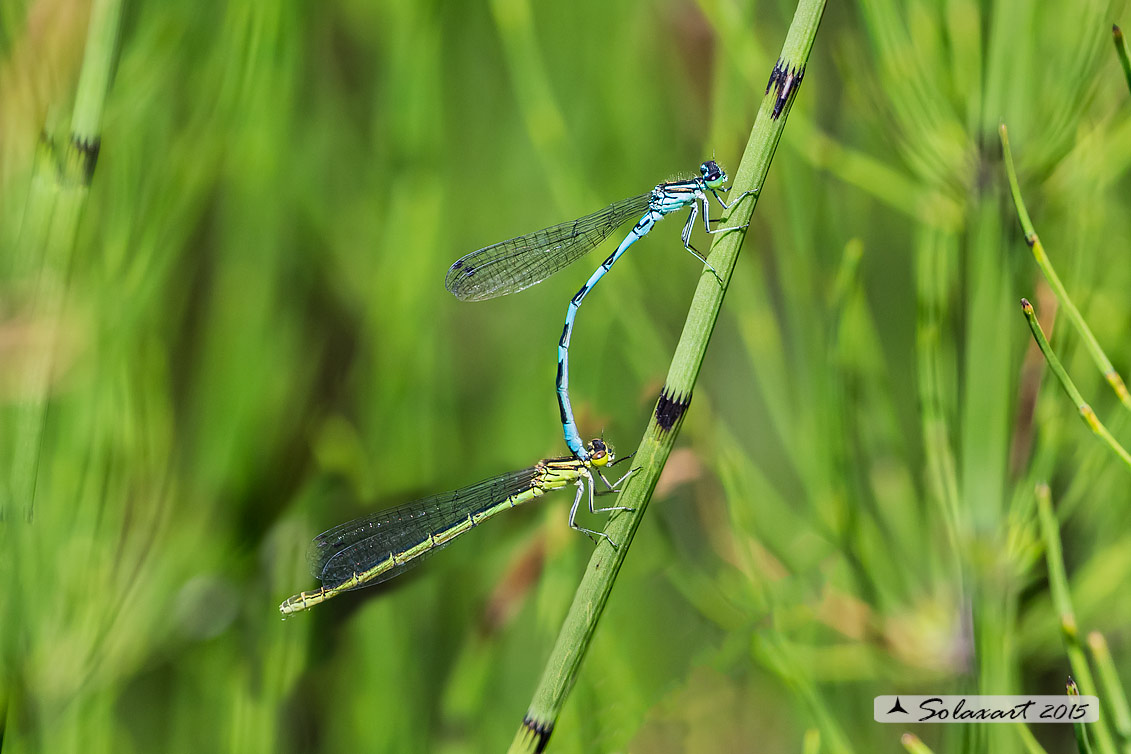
[(248, 341)]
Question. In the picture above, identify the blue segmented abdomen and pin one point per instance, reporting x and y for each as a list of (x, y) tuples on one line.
[(569, 426)]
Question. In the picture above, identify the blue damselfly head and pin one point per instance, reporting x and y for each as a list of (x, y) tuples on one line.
[(713, 175)]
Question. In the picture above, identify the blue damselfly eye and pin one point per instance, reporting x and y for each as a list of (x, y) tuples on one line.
[(712, 172)]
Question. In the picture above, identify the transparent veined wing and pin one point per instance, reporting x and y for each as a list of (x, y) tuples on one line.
[(518, 263), (358, 545)]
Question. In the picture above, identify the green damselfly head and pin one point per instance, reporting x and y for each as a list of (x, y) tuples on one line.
[(713, 175), (600, 454)]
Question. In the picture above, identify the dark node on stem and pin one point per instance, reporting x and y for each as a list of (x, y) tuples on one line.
[(670, 408), (87, 155), (49, 153), (1031, 239), (785, 82), (540, 731), (774, 75)]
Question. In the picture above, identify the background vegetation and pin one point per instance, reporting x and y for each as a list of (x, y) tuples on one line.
[(249, 341)]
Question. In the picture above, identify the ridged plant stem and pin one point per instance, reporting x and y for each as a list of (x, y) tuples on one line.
[(593, 593)]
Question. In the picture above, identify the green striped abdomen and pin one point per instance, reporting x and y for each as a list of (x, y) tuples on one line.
[(381, 546)]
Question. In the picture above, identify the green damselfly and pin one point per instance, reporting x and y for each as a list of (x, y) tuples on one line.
[(385, 544)]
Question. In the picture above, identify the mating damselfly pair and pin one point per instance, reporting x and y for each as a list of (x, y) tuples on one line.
[(378, 547)]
